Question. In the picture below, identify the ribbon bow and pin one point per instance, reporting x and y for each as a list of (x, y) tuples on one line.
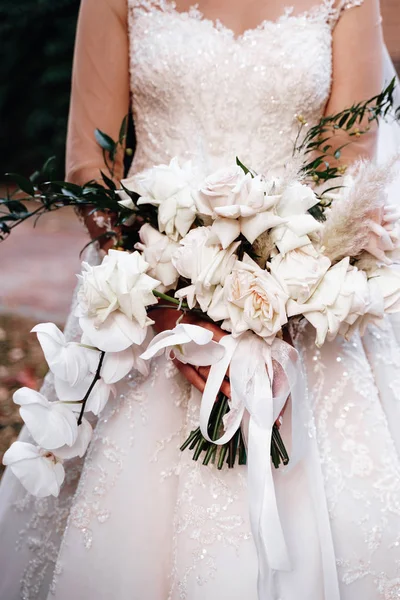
[(252, 377)]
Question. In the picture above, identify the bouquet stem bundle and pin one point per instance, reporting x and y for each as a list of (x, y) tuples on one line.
[(235, 448)]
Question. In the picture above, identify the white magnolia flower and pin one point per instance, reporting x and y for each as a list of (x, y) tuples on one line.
[(293, 205), (254, 300), (157, 250), (205, 265), (67, 360), (85, 433), (387, 281), (113, 299), (51, 424), (171, 189), (300, 271), (238, 203), (341, 297), (188, 343), (40, 471)]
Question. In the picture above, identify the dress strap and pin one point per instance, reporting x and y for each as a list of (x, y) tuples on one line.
[(339, 7), (149, 5)]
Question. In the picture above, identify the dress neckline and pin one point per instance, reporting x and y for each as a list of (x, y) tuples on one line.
[(325, 11)]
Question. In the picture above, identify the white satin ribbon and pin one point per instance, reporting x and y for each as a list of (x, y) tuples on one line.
[(251, 378), (258, 399)]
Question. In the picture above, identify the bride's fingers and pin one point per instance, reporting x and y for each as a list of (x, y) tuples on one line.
[(225, 387), (191, 375)]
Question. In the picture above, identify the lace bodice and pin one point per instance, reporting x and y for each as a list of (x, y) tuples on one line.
[(201, 91)]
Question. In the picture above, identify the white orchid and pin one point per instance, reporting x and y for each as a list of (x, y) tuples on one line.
[(112, 301), (171, 189), (40, 471), (238, 203), (293, 207), (97, 400), (51, 424), (188, 343), (67, 360), (157, 250), (81, 444)]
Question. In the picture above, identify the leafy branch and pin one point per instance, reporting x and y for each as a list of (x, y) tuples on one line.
[(354, 121), (42, 193)]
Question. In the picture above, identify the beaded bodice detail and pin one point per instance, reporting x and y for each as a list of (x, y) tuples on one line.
[(201, 92)]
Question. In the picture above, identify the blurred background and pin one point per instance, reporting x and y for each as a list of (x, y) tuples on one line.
[(38, 266)]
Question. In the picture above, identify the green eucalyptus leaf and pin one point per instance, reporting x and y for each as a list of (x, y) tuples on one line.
[(109, 182), (14, 206), (105, 141), (49, 166), (123, 129), (132, 195), (242, 166), (23, 183)]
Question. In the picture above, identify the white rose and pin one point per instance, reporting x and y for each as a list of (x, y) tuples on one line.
[(172, 189), (341, 297), (40, 471), (293, 207), (238, 203), (387, 281), (112, 301), (218, 189), (300, 271), (255, 300), (374, 312), (205, 265), (157, 250)]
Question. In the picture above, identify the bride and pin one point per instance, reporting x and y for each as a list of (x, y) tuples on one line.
[(139, 519)]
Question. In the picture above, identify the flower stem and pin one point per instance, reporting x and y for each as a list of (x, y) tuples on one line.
[(169, 299), (95, 380)]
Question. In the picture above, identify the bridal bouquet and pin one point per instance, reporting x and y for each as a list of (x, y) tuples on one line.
[(242, 250), (250, 252)]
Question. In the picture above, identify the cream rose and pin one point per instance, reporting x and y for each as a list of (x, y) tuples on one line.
[(300, 271), (205, 265), (238, 203), (387, 281), (341, 298), (255, 300)]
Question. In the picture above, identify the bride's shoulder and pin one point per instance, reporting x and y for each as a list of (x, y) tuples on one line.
[(151, 4)]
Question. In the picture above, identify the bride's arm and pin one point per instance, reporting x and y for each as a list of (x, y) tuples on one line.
[(100, 89), (357, 70)]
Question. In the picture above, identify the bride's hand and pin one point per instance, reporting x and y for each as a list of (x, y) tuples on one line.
[(166, 318)]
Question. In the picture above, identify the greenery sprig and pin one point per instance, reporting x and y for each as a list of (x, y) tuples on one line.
[(41, 193), (354, 121)]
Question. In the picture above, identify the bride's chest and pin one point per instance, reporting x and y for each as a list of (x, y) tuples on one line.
[(280, 64)]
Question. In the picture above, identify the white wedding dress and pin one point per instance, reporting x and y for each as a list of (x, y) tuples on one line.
[(140, 520)]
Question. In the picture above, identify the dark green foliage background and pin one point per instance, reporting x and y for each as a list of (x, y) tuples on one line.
[(36, 49)]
